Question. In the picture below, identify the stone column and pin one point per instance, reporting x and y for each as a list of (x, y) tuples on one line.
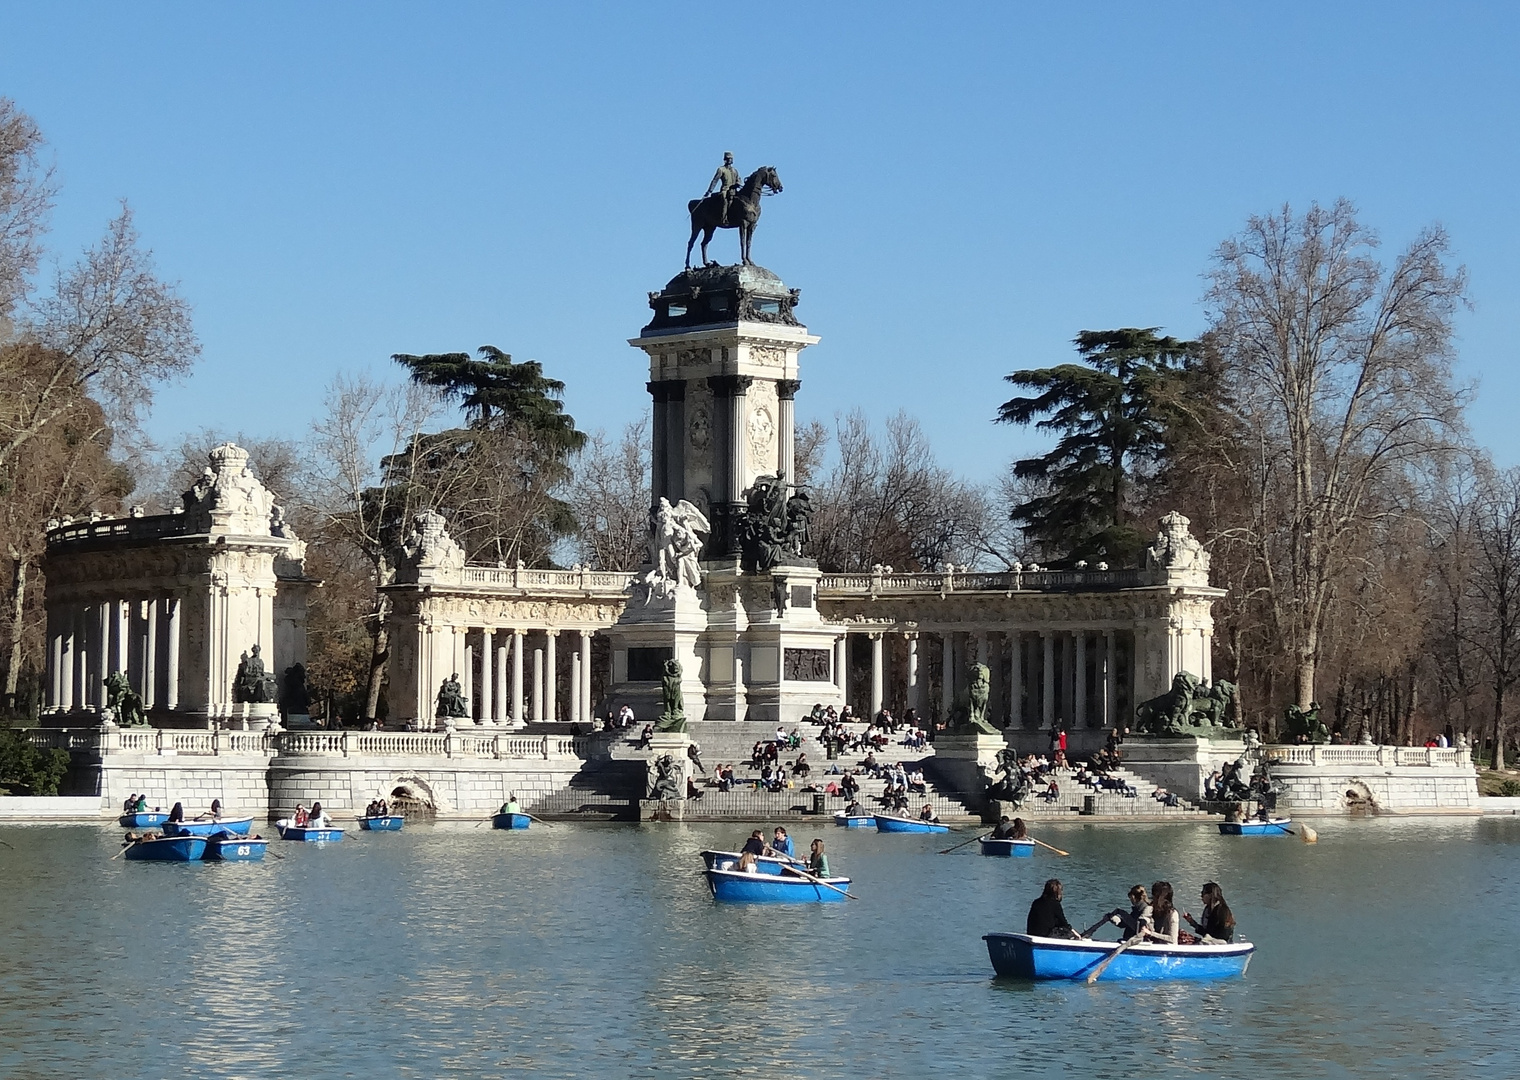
[(171, 668), (503, 690), (997, 691), (69, 650), (1109, 676), (55, 661), (575, 686), (786, 393), (915, 687), (551, 677), (876, 674), (842, 664), (1080, 698), (150, 655), (1206, 640), (1016, 680), (517, 677), (121, 651), (1048, 679), (471, 698), (487, 677), (103, 620), (538, 686), (947, 676), (587, 705)]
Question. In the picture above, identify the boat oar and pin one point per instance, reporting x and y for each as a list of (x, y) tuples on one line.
[(1043, 844), (1109, 959), (1089, 931), (819, 881), (541, 821), (973, 840), (1284, 828)]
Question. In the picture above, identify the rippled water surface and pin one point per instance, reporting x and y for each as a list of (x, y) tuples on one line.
[(1385, 950)]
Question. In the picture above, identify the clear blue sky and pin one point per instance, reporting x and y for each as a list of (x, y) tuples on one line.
[(966, 186)]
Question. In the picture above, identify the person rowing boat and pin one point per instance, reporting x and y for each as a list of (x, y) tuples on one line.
[(1133, 921)]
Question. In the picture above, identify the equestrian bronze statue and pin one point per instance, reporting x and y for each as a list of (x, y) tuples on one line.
[(740, 210)]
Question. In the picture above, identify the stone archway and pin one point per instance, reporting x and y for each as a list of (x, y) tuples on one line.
[(414, 796), (1359, 799)]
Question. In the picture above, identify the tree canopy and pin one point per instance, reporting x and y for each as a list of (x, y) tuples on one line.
[(1115, 415)]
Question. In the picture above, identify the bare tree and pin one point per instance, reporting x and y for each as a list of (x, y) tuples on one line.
[(888, 501), (1495, 585), (610, 497), (110, 329), (365, 424), (1340, 372), (26, 198)]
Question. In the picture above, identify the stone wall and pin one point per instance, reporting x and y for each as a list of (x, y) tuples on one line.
[(240, 781), (1324, 780), (461, 789)]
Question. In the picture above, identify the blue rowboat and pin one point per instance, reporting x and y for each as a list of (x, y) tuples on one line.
[(237, 826), (144, 819), (1018, 849), (732, 887), (307, 835), (729, 860), (1021, 956), (856, 821), (169, 849), (888, 823), (510, 821), (391, 823), (229, 847), (1275, 827)]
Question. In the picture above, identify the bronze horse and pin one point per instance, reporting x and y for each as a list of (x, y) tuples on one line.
[(707, 213)]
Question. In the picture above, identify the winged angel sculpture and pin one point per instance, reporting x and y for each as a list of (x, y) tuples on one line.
[(676, 535)]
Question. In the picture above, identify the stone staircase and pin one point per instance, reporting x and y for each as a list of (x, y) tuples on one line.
[(1108, 804), (730, 743)]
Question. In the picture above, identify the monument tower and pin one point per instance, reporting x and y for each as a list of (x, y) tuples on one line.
[(737, 609)]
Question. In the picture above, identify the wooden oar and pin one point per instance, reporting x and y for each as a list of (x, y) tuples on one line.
[(1043, 844), (1109, 959), (1284, 828), (541, 821), (819, 881), (973, 840), (1089, 931)]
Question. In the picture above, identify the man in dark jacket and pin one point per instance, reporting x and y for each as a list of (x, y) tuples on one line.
[(1046, 919)]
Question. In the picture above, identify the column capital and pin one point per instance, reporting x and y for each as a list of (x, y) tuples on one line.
[(517, 632), (786, 389), (551, 631)]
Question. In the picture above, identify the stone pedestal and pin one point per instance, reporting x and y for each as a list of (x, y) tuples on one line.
[(969, 762), (1180, 764), (662, 743)]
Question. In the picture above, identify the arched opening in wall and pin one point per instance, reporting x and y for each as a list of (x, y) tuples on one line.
[(412, 797), (1359, 800)]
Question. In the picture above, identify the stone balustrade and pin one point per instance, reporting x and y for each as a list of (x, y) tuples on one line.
[(879, 581), (554, 582), (1366, 755), (444, 744)]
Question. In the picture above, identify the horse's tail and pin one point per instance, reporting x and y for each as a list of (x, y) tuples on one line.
[(692, 204)]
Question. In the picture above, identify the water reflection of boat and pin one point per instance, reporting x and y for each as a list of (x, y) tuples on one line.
[(306, 833), (854, 821), (1275, 827), (237, 826), (168, 849), (888, 823), (144, 819), (1019, 849), (510, 821), (388, 823), (229, 847), (732, 887), (728, 860), (1022, 956)]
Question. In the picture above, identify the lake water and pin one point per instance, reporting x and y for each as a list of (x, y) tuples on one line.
[(1385, 950)]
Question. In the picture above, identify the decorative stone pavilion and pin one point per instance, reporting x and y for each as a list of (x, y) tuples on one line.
[(175, 601)]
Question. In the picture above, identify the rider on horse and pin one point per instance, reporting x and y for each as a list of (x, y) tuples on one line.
[(726, 180)]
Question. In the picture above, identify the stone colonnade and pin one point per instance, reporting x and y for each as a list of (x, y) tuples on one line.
[(514, 675), (1039, 679), (140, 637)]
